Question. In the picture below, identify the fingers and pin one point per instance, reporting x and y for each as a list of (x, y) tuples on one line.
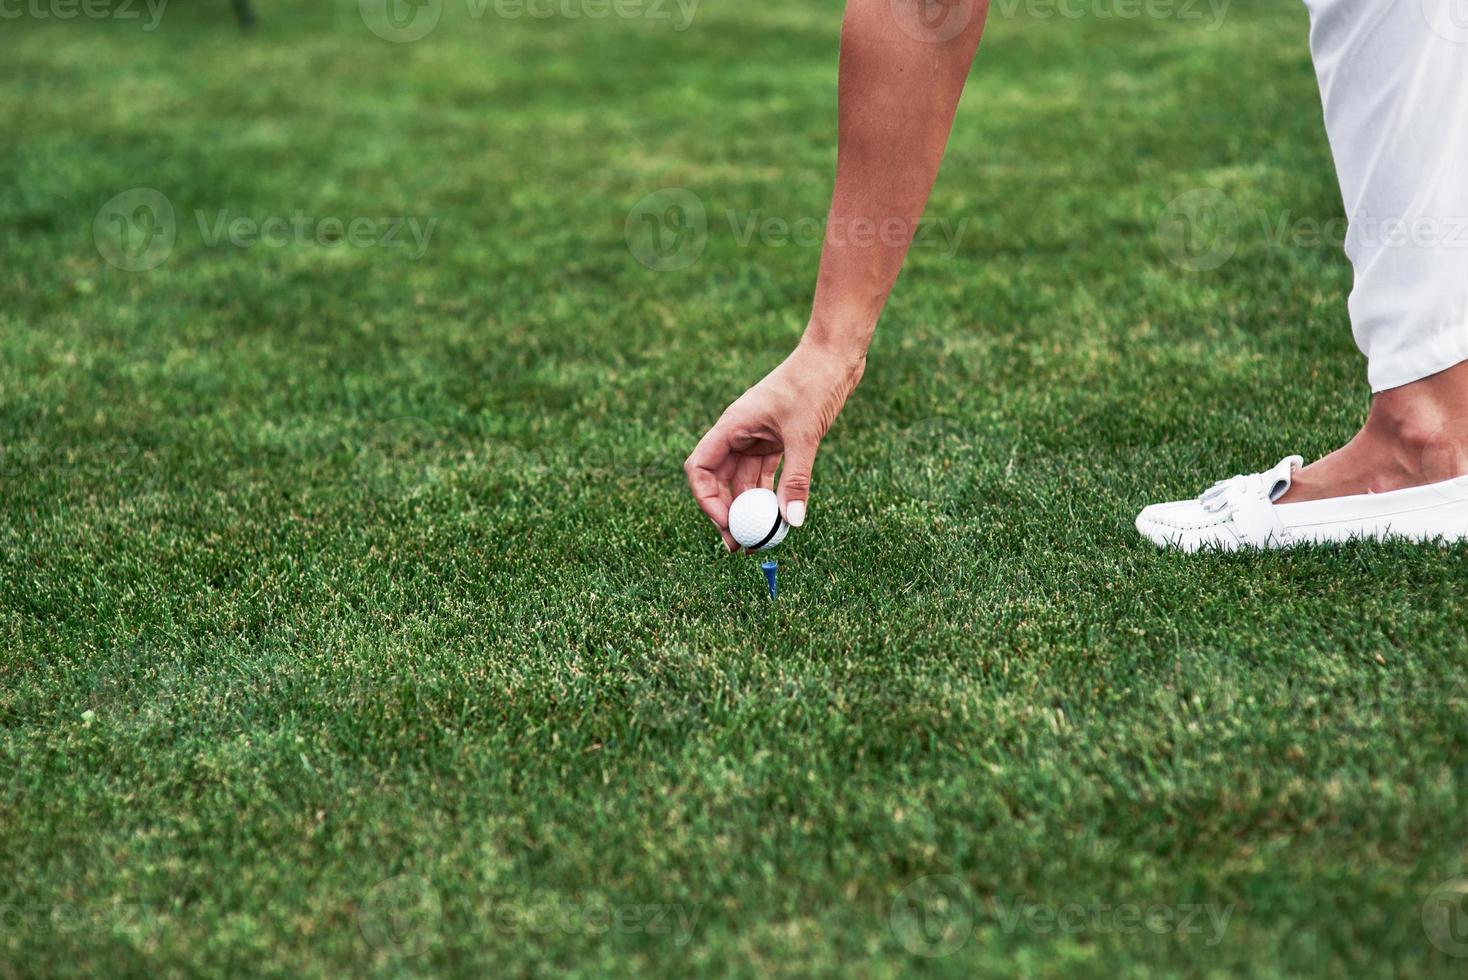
[(747, 473), (708, 491), (767, 469), (709, 470), (794, 490), (726, 499)]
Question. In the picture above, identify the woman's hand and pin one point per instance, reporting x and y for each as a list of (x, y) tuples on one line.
[(901, 77), (787, 414)]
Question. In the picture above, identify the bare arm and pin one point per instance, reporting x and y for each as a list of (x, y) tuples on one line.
[(898, 96), (903, 68)]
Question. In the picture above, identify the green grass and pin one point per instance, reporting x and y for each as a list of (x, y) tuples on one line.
[(354, 619)]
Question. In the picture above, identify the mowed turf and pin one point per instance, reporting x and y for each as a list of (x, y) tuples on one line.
[(356, 620)]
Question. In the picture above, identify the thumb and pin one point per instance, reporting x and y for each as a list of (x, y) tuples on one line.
[(794, 490)]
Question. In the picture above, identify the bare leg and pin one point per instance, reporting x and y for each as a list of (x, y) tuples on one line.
[(1415, 435)]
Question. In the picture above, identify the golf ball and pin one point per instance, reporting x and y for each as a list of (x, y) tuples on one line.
[(755, 521)]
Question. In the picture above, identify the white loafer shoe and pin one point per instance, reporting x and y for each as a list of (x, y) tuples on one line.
[(1242, 513)]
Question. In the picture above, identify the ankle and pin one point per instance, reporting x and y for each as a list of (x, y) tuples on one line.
[(1428, 434)]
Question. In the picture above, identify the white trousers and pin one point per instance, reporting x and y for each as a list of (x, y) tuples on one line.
[(1394, 83)]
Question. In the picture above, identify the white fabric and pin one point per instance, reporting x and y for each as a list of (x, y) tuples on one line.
[(1394, 83)]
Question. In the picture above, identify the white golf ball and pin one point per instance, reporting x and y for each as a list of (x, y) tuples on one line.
[(755, 521)]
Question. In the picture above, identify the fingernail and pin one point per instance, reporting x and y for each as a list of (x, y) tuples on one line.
[(795, 513)]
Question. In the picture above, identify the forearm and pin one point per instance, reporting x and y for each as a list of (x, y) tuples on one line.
[(898, 95)]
